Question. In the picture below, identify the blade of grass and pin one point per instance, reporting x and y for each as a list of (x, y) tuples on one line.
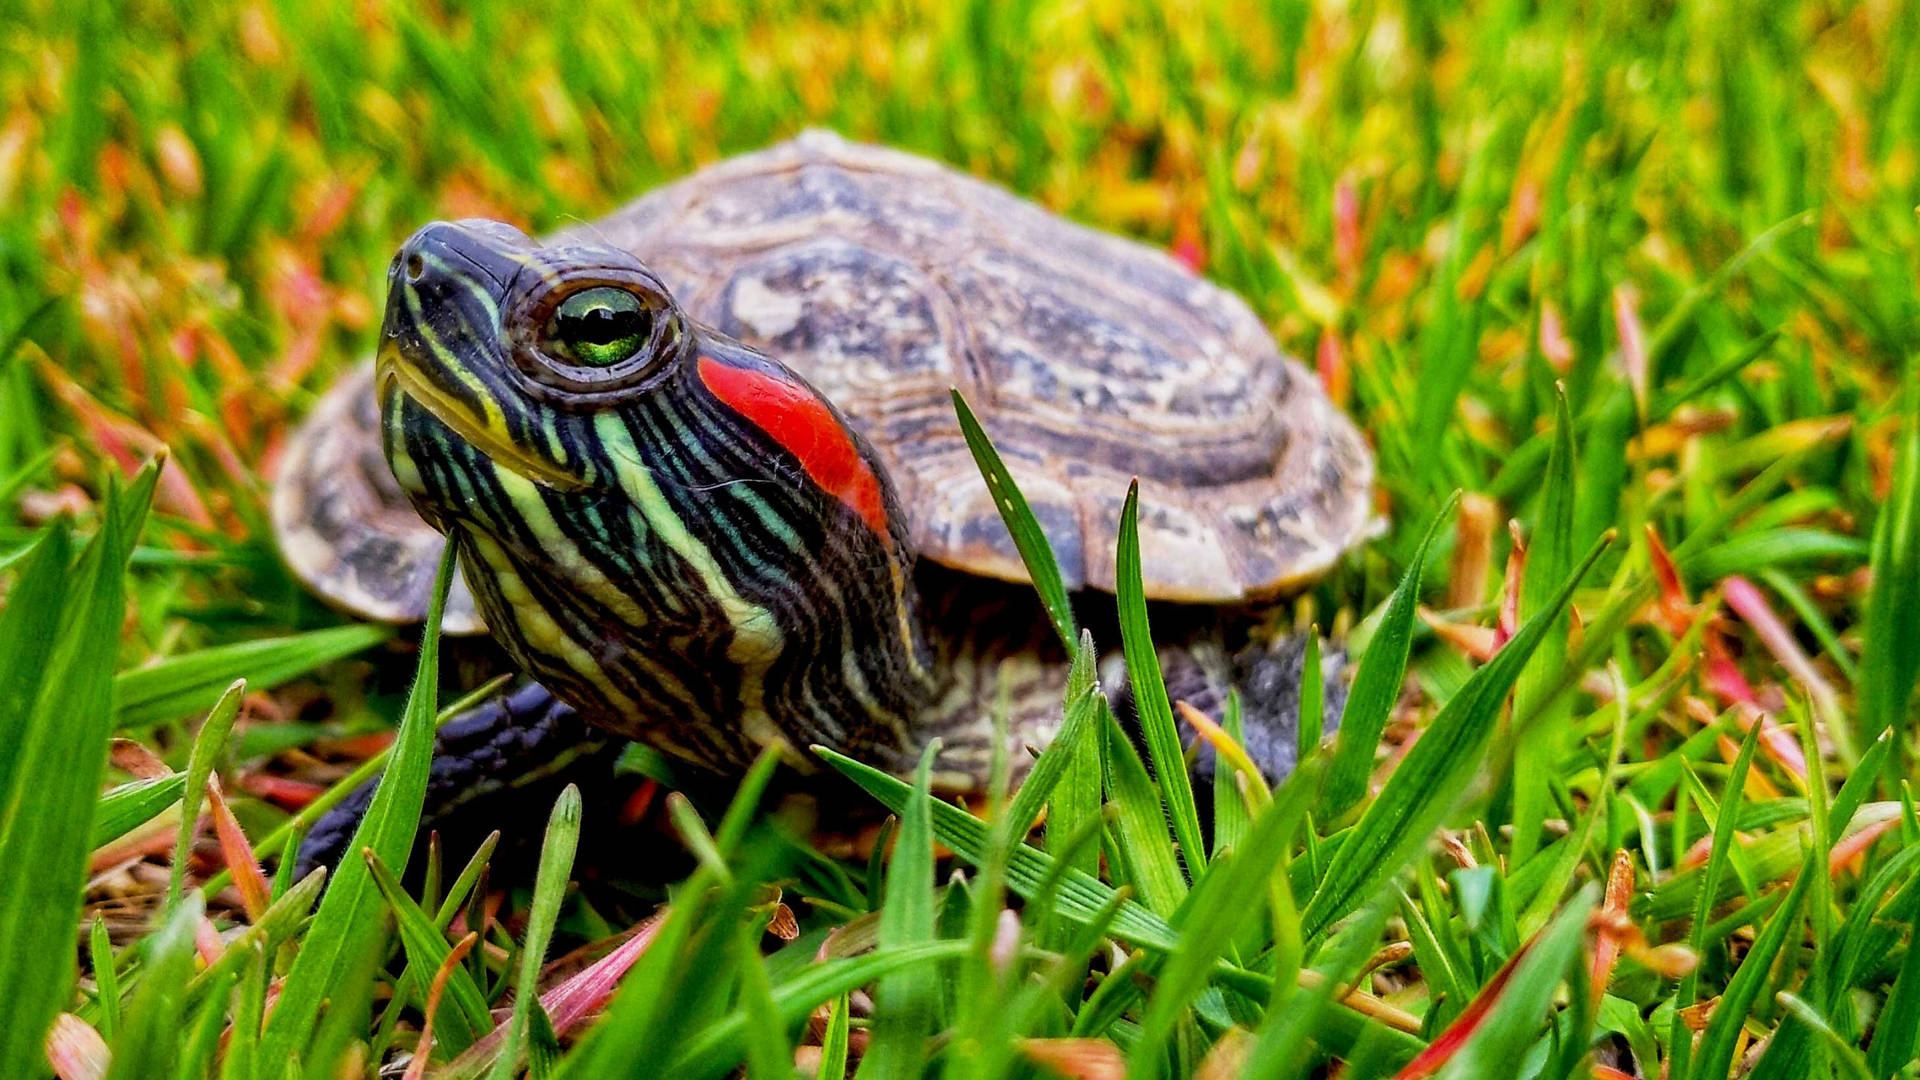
[(179, 686), (1853, 1065), (106, 977), (1376, 684), (1688, 991), (54, 783), (1511, 1021), (1313, 689), (28, 626), (719, 1047), (1423, 790), (1073, 801), (905, 1001), (1228, 896), (1140, 823), (1549, 558), (549, 887), (1081, 896), (769, 1055), (150, 1044), (833, 1045), (1150, 690), (1890, 636), (208, 744), (131, 805), (204, 1031), (350, 923), (427, 949), (1028, 538), (287, 915), (1898, 1027), (1230, 814), (1715, 1056), (1297, 1017)]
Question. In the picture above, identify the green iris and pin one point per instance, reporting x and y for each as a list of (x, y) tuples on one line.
[(600, 327)]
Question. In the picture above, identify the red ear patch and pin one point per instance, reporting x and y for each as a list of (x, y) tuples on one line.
[(805, 427)]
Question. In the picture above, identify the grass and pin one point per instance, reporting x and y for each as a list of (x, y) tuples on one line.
[(1640, 271)]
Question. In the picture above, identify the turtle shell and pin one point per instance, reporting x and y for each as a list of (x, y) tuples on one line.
[(886, 279)]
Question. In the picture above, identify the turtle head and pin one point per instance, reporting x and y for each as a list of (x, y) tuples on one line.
[(496, 338), (675, 533)]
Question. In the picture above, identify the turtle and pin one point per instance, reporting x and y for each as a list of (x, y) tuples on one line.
[(706, 485)]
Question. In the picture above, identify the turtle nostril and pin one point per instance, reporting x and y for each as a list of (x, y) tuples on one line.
[(415, 266)]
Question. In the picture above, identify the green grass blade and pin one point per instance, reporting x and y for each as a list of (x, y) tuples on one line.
[(1852, 1064), (721, 1046), (106, 978), (769, 1055), (1057, 760), (208, 744), (1295, 1018), (1228, 896), (57, 769), (350, 923), (1717, 860), (204, 1032), (906, 1001), (1150, 690), (1231, 818), (1898, 1029), (463, 1015), (1140, 823), (632, 1036), (1073, 808), (1514, 1021), (746, 799), (1890, 653), (11, 485), (833, 1044), (28, 625), (1715, 1054), (1080, 897), (180, 686), (543, 1045), (249, 1010), (286, 916), (131, 805), (1313, 690), (1549, 558), (1028, 538), (150, 1044), (549, 888), (1422, 791), (1376, 684)]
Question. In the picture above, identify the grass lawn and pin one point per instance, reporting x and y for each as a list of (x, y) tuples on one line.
[(1622, 787)]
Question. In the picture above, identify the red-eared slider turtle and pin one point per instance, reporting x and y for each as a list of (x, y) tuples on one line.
[(702, 472)]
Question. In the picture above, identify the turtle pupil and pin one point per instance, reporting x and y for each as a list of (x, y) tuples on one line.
[(601, 326)]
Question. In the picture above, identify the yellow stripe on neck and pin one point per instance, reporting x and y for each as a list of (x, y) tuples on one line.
[(757, 638)]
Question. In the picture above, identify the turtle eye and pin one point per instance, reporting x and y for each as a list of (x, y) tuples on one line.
[(599, 327)]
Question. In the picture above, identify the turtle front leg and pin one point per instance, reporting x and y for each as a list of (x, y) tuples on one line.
[(498, 765)]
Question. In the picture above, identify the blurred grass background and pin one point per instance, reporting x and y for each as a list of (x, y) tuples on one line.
[(1700, 218), (1448, 204)]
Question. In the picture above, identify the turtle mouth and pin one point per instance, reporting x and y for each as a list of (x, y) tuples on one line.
[(442, 321), (393, 373)]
